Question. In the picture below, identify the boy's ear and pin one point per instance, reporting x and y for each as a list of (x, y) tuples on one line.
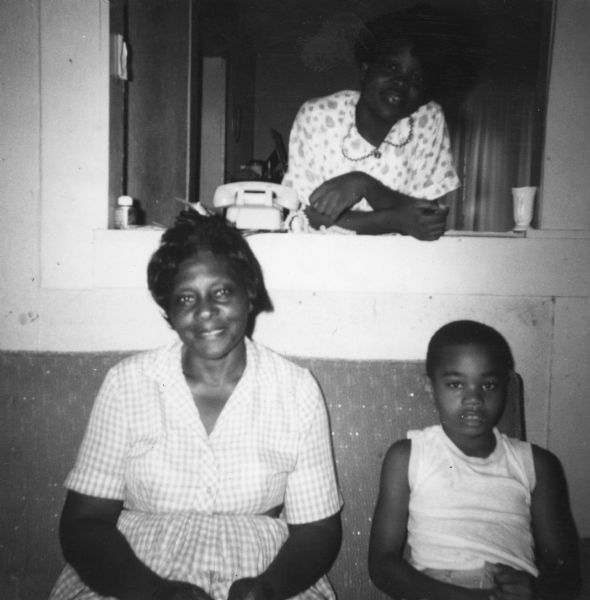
[(427, 383)]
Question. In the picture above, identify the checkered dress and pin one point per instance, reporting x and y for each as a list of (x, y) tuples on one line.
[(194, 503)]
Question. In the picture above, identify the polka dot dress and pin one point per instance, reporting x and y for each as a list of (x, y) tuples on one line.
[(415, 158)]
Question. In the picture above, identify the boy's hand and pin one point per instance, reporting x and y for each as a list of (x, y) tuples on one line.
[(511, 584)]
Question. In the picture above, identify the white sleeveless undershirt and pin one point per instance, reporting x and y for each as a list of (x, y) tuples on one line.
[(465, 511)]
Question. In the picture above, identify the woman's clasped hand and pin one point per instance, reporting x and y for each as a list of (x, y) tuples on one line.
[(248, 588), (180, 590)]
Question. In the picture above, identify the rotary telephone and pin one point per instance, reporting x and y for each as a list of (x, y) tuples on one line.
[(255, 204)]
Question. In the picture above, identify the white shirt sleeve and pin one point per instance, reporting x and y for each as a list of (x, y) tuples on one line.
[(99, 467), (302, 167), (431, 172), (312, 491)]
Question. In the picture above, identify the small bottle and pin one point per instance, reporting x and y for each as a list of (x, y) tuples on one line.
[(125, 214)]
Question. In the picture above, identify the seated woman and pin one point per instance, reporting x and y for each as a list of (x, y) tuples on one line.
[(379, 160), (206, 470)]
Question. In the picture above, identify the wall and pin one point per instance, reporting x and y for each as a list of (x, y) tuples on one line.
[(20, 209), (213, 99), (161, 104), (277, 101), (70, 285), (566, 180)]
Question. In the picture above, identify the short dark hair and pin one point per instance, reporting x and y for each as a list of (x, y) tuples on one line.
[(193, 233), (447, 45), (460, 333)]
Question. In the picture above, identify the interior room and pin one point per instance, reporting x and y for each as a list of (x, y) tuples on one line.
[(356, 309), (256, 63)]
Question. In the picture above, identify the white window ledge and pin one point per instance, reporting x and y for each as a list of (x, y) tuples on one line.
[(461, 262), (486, 234)]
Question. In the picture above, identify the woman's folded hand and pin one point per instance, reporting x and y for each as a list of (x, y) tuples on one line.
[(250, 588), (180, 590)]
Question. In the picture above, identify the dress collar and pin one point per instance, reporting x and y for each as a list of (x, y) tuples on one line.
[(355, 146)]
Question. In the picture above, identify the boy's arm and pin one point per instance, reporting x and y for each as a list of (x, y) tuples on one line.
[(554, 530), (388, 569)]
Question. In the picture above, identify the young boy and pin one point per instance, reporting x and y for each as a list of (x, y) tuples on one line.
[(484, 516)]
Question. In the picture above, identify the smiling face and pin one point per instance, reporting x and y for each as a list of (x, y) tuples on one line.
[(469, 389), (209, 308), (393, 86)]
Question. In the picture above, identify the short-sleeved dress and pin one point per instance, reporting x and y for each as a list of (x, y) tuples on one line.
[(194, 503), (324, 143)]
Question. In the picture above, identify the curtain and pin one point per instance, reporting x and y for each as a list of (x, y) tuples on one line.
[(495, 140)]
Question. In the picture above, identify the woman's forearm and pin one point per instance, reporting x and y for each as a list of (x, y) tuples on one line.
[(99, 552), (422, 226), (372, 223), (104, 560), (381, 197), (307, 554)]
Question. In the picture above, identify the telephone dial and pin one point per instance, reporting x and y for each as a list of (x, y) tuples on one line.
[(255, 204)]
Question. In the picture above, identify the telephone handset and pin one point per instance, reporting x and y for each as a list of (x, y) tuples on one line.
[(255, 204), (255, 193)]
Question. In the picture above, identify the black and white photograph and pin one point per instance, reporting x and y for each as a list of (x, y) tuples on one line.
[(295, 299)]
